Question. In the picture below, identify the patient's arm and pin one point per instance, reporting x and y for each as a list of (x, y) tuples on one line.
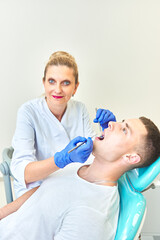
[(15, 205)]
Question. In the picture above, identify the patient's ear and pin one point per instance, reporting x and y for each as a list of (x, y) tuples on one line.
[(132, 158)]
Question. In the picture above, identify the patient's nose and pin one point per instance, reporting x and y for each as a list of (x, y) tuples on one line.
[(111, 125), (114, 125)]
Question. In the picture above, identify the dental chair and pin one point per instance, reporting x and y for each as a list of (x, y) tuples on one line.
[(132, 202), (7, 175)]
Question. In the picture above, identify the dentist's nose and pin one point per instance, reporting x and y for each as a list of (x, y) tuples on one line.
[(58, 88)]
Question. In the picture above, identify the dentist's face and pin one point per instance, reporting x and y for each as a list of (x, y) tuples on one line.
[(120, 138), (59, 84)]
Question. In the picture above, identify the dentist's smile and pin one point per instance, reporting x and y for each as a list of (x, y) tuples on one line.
[(57, 97)]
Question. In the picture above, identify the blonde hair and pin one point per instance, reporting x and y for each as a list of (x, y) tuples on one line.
[(63, 59)]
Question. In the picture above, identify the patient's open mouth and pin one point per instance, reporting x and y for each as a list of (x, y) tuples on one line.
[(101, 137)]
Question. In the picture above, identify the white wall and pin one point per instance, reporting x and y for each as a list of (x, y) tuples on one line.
[(116, 44)]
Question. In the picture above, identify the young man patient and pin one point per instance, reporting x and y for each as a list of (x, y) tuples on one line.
[(81, 202)]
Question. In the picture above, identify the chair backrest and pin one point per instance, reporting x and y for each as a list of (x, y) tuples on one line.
[(5, 170), (132, 202), (132, 210)]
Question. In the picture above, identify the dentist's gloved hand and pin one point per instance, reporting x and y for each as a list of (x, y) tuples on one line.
[(104, 116), (80, 154)]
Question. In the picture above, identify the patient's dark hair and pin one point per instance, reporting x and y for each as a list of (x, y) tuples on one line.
[(151, 147)]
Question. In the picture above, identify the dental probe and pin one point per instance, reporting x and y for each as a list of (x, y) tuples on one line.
[(99, 122), (79, 145)]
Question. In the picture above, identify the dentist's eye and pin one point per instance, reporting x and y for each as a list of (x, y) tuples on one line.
[(51, 81), (66, 83)]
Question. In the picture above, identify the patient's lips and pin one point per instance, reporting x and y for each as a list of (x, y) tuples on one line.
[(100, 138)]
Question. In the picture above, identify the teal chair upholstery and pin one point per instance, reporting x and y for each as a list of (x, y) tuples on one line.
[(132, 211), (132, 202), (145, 178)]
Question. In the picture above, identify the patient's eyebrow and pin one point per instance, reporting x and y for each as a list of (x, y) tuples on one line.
[(127, 126)]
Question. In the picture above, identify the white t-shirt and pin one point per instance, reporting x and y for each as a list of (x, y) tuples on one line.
[(65, 207), (39, 135)]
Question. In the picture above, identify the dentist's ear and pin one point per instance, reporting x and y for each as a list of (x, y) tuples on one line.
[(132, 158), (76, 86)]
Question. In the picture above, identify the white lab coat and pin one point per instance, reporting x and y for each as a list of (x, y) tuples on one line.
[(39, 135)]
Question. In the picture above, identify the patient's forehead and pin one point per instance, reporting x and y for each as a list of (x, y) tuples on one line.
[(136, 126)]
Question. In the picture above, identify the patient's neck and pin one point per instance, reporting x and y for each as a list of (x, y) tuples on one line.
[(106, 173)]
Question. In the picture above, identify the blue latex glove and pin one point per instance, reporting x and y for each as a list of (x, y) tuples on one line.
[(80, 154), (104, 116)]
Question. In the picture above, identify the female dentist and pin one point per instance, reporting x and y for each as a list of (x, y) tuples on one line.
[(46, 125)]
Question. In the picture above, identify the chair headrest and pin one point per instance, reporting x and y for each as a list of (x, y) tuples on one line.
[(142, 178)]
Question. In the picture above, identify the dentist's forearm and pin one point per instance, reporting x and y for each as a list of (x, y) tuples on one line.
[(39, 170)]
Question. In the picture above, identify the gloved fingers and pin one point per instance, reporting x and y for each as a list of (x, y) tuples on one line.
[(106, 117), (81, 153), (77, 140), (98, 113), (111, 118), (85, 150), (88, 146), (103, 116), (95, 120)]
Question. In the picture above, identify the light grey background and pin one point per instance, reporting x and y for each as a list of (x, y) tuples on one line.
[(117, 47)]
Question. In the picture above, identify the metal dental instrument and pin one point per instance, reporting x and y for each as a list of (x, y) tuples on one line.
[(99, 122), (85, 141), (76, 146), (79, 145)]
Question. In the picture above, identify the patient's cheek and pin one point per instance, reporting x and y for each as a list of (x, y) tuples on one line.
[(93, 150), (93, 154)]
